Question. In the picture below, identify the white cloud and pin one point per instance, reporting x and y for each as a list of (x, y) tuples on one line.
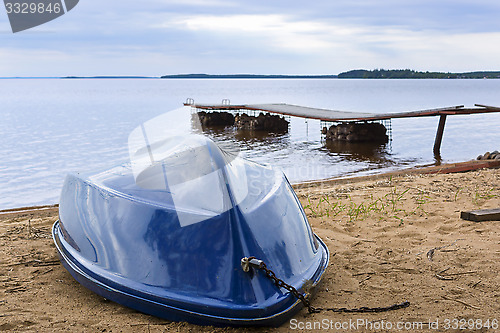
[(273, 30), (155, 37), (346, 44)]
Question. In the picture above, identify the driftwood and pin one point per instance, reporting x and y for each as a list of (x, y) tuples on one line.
[(36, 263), (430, 253), (461, 302)]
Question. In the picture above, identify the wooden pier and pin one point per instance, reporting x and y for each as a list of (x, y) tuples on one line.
[(347, 116)]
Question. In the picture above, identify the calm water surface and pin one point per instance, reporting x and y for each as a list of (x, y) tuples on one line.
[(50, 127)]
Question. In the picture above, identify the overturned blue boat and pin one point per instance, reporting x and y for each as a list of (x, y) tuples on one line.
[(165, 234)]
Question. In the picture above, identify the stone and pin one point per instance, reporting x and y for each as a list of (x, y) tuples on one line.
[(358, 132), (262, 122), (208, 119)]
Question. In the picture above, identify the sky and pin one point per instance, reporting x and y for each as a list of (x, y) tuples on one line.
[(158, 37)]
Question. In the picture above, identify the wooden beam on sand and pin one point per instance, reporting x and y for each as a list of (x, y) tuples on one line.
[(481, 215)]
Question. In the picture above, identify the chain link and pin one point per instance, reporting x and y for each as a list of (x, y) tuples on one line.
[(259, 264)]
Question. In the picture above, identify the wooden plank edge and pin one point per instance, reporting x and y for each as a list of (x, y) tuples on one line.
[(481, 215)]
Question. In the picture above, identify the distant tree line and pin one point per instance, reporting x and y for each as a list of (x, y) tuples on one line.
[(412, 74), (245, 76)]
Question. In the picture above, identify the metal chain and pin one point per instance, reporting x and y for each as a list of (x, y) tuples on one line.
[(246, 263)]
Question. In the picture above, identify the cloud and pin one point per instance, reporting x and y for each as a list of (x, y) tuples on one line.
[(271, 31), (338, 40), (155, 37)]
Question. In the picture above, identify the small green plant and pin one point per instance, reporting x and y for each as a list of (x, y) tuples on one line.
[(395, 198), (389, 206), (421, 199), (354, 210), (456, 193), (400, 220), (310, 207), (483, 196)]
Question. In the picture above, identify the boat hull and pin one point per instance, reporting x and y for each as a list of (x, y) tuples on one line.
[(161, 308), (166, 234)]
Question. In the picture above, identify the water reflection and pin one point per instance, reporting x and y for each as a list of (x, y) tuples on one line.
[(254, 143), (236, 140), (360, 151), (306, 156)]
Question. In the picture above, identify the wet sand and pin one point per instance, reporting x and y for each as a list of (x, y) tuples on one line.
[(392, 238)]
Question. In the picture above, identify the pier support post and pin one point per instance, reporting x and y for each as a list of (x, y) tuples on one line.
[(439, 135)]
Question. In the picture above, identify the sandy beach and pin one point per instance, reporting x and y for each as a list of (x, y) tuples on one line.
[(392, 238)]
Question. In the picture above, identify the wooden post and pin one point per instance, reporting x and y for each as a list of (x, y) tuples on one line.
[(439, 135)]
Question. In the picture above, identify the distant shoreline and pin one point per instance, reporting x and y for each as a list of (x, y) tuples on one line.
[(352, 74), (74, 77), (411, 74), (109, 77), (245, 76)]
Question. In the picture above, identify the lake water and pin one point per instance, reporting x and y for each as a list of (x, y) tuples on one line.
[(50, 127)]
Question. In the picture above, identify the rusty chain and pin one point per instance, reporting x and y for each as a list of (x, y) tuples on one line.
[(246, 263)]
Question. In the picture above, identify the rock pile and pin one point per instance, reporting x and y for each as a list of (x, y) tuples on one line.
[(263, 122), (215, 118), (490, 156), (357, 132)]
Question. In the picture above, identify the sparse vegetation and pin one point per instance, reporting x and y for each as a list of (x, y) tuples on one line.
[(397, 204), (391, 205)]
